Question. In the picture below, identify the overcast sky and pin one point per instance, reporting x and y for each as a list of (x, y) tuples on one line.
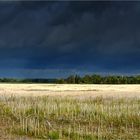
[(56, 39)]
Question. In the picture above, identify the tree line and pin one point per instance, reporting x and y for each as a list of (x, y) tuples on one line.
[(76, 79), (98, 79), (14, 80)]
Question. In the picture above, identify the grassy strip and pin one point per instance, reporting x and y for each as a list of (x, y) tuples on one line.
[(68, 118)]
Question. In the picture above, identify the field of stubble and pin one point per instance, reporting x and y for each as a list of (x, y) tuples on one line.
[(69, 112)]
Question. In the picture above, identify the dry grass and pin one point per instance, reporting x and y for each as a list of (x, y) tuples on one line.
[(70, 90), (26, 111)]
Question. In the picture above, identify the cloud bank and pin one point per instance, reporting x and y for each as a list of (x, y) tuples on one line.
[(89, 36)]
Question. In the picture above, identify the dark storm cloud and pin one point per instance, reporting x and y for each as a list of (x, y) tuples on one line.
[(96, 36)]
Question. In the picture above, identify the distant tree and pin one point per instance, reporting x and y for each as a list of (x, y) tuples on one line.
[(96, 79), (87, 79), (78, 79), (60, 81), (71, 79)]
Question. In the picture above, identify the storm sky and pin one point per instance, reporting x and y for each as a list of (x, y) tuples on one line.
[(55, 39)]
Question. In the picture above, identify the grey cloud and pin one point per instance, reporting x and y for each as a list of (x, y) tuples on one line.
[(70, 34)]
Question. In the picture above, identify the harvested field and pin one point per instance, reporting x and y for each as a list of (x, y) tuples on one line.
[(51, 111), (73, 90)]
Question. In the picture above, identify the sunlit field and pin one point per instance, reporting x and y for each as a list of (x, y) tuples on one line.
[(72, 90), (70, 112)]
